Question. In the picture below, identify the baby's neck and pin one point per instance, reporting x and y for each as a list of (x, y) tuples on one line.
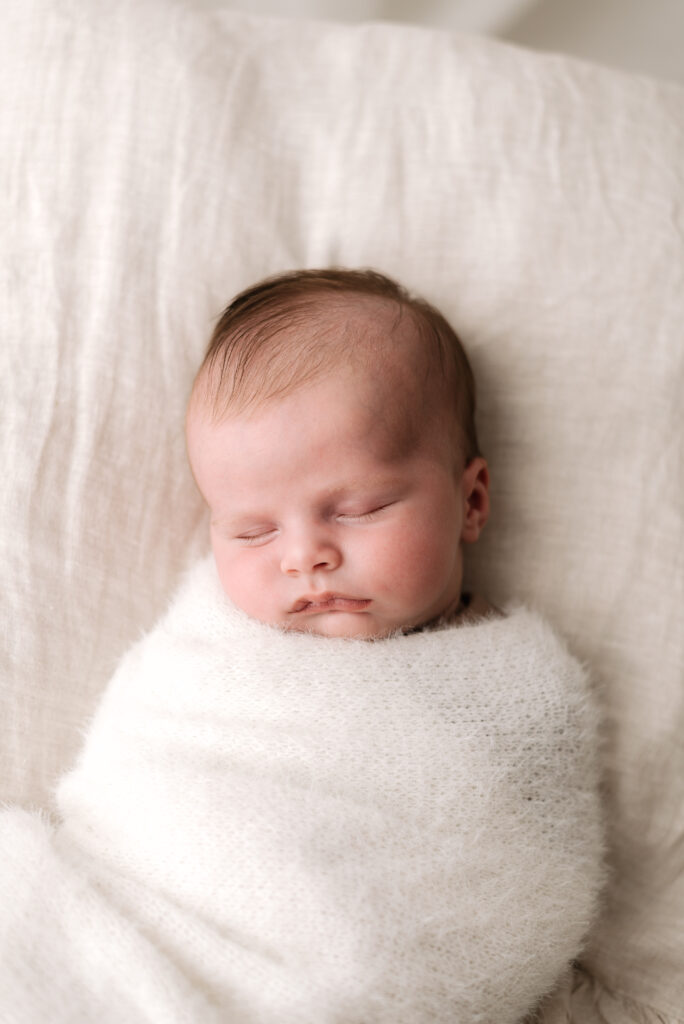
[(471, 608), (475, 607)]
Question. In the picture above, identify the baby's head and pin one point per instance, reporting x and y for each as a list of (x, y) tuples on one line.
[(330, 431)]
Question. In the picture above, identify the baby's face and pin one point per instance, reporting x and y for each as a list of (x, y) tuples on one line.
[(316, 525)]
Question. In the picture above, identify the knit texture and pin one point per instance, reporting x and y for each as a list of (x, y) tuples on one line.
[(277, 827)]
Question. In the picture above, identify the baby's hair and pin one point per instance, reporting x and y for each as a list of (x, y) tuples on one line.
[(263, 345)]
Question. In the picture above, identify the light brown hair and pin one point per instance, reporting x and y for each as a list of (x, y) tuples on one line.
[(264, 346)]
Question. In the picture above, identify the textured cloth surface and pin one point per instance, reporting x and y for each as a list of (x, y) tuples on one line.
[(401, 831), (156, 159)]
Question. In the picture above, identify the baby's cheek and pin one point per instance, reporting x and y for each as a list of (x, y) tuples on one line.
[(426, 563), (241, 579), (230, 577), (404, 561)]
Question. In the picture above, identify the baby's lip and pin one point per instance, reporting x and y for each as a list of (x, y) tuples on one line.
[(329, 602)]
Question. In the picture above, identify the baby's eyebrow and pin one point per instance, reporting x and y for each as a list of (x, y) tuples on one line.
[(238, 520), (365, 483)]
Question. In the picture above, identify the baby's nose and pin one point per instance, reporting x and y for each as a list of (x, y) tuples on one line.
[(309, 553)]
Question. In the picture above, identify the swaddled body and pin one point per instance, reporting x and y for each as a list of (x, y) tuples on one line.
[(398, 831)]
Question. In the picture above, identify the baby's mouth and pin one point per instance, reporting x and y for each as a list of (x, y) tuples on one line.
[(315, 603)]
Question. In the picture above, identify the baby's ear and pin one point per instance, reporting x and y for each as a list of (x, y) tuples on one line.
[(475, 487)]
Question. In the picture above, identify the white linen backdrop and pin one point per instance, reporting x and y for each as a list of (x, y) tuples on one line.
[(154, 159)]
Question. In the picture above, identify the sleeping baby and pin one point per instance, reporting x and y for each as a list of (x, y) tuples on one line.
[(329, 787)]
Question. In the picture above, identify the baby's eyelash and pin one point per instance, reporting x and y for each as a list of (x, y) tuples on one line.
[(254, 538), (364, 517)]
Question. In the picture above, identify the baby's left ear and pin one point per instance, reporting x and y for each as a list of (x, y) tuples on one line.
[(475, 485)]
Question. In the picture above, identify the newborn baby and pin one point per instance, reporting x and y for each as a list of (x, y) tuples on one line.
[(329, 787)]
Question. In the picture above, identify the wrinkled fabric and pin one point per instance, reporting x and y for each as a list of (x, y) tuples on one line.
[(582, 999)]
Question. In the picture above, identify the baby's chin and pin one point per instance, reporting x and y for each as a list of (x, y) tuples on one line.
[(344, 625)]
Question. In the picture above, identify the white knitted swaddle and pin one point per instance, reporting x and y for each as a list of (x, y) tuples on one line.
[(312, 830)]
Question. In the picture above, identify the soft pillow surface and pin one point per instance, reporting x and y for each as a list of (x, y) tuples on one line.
[(155, 159)]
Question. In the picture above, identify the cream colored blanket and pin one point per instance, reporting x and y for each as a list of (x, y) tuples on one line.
[(276, 828)]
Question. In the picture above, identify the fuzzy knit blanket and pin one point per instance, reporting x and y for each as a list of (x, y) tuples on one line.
[(278, 828)]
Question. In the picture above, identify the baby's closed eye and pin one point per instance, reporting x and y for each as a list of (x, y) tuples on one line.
[(258, 535), (364, 516)]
